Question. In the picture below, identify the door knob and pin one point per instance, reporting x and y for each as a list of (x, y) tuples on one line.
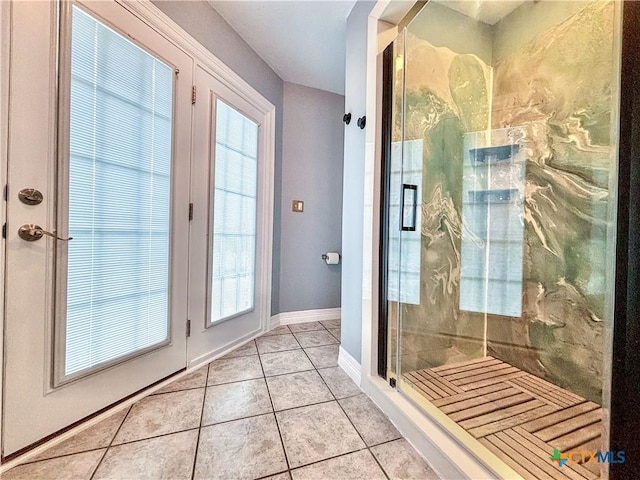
[(31, 232)]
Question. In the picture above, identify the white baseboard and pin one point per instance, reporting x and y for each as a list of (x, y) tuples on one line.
[(303, 316), (350, 366), (444, 453), (221, 351)]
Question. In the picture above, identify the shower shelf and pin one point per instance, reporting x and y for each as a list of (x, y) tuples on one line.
[(498, 153), (493, 196)]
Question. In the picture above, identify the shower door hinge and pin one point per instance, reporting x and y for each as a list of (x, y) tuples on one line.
[(190, 211), (193, 95), (4, 231), (188, 328)]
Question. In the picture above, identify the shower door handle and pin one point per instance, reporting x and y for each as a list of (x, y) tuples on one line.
[(409, 207)]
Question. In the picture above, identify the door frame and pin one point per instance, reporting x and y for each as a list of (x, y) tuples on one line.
[(206, 60), (209, 340), (385, 180), (625, 373), (5, 48)]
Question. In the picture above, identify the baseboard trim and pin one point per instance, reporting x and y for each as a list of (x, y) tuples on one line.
[(303, 316), (350, 366), (445, 454), (221, 351), (274, 322)]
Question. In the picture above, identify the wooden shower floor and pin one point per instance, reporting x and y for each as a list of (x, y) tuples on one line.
[(518, 416)]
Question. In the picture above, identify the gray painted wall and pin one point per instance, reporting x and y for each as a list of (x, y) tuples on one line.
[(353, 185), (312, 158), (211, 30)]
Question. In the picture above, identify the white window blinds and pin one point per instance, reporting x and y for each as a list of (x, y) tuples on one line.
[(119, 197), (234, 218)]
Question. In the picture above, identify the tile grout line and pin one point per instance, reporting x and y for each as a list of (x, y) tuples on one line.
[(375, 459), (329, 458), (366, 446), (153, 437), (266, 477), (204, 399), (262, 414), (206, 386), (39, 460), (273, 409), (129, 442), (93, 474)]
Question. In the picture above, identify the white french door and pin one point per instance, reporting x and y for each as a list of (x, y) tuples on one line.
[(232, 192), (100, 127)]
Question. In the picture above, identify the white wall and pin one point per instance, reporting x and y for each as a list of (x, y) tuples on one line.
[(312, 172), (354, 181)]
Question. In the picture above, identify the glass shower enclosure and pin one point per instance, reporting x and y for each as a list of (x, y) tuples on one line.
[(500, 205)]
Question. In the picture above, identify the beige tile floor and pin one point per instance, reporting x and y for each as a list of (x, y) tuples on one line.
[(277, 408)]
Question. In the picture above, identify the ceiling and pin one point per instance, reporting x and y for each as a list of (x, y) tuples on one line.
[(486, 11), (303, 41)]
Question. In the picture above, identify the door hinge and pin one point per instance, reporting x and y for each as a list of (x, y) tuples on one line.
[(188, 328), (193, 95), (190, 211), (6, 192), (4, 231)]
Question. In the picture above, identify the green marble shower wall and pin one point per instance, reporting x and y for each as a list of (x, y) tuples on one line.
[(446, 95), (553, 84)]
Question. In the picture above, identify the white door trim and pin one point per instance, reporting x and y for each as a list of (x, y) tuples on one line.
[(207, 339), (166, 26), (5, 48)]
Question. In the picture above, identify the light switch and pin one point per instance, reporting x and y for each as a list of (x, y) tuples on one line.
[(297, 206)]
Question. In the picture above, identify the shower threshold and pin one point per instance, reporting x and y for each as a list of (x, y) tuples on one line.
[(519, 417)]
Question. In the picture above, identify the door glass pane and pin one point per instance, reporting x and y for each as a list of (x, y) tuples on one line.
[(119, 197), (234, 217)]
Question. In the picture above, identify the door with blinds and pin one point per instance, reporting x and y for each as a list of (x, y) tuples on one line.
[(97, 214), (229, 297)]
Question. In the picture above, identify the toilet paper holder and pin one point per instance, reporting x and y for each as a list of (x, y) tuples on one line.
[(325, 256)]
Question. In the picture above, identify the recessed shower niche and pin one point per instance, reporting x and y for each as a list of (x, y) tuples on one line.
[(501, 141)]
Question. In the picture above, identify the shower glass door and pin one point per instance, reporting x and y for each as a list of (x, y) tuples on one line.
[(500, 227)]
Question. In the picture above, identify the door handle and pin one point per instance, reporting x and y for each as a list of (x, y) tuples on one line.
[(408, 217), (31, 232)]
